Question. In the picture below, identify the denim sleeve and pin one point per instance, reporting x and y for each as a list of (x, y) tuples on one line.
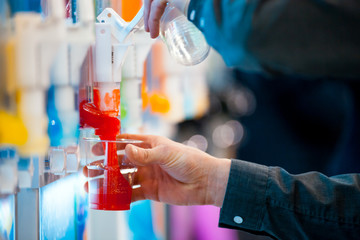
[(270, 201), (308, 37)]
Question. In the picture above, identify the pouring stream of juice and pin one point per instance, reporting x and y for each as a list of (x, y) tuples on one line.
[(114, 192)]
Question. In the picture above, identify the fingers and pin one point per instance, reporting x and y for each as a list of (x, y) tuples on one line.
[(153, 10), (94, 169), (148, 140), (147, 5), (85, 171), (136, 136), (144, 180), (137, 194), (98, 149), (157, 10), (141, 156), (86, 187)]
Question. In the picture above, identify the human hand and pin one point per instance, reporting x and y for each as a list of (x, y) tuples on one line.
[(173, 173), (97, 151), (154, 9)]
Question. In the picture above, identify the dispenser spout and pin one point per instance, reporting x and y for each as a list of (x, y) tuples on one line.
[(121, 29)]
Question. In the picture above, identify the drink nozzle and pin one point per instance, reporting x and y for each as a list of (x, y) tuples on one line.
[(121, 29)]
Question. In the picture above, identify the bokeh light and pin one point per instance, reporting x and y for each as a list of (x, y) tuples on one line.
[(228, 134), (197, 141)]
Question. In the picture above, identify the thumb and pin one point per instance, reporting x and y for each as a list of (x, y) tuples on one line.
[(140, 156)]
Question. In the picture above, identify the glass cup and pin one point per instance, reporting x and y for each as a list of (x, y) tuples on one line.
[(110, 174), (186, 43)]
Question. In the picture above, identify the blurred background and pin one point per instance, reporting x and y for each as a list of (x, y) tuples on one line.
[(53, 54)]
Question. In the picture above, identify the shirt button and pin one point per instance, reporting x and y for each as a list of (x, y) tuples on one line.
[(238, 219)]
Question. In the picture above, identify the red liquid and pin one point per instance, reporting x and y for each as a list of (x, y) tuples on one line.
[(114, 191), (106, 127), (110, 103), (111, 195)]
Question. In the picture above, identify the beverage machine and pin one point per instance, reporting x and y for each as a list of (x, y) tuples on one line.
[(70, 71)]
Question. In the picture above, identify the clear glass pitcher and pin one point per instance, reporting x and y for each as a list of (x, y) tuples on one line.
[(186, 43)]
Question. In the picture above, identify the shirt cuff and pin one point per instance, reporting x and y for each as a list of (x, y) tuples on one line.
[(244, 202)]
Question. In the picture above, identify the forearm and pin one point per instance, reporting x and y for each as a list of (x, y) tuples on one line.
[(217, 181)]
